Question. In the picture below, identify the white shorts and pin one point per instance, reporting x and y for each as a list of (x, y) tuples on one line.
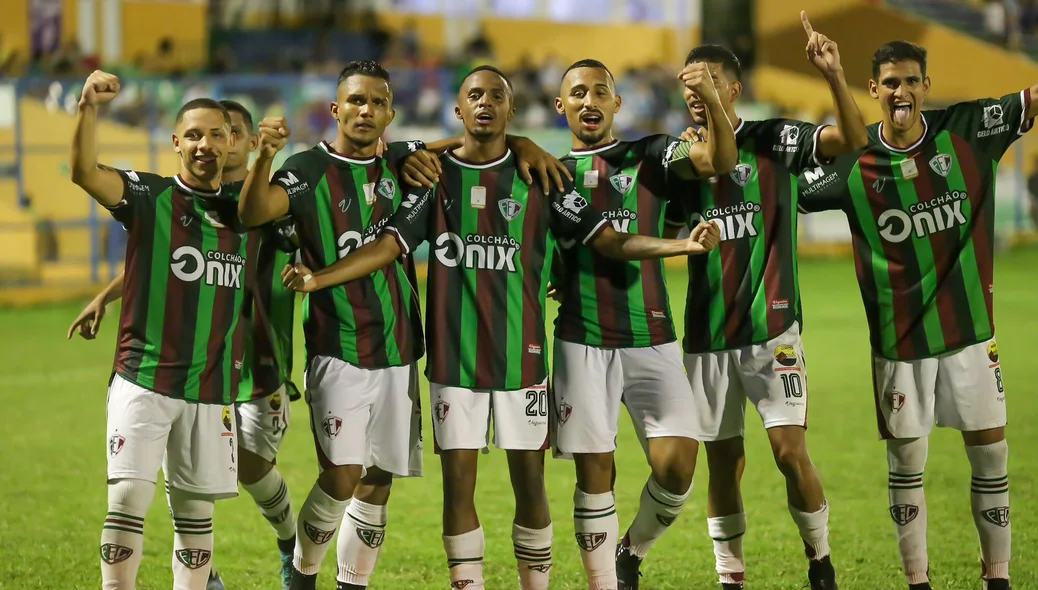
[(195, 444), (461, 418), (262, 424), (366, 417), (961, 390), (590, 384), (771, 375)]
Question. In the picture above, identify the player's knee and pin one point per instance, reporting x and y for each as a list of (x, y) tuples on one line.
[(594, 472), (339, 482), (132, 496), (907, 455), (791, 458), (459, 475), (251, 467), (374, 487), (725, 457)]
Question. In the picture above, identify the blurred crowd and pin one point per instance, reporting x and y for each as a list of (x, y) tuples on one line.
[(1011, 21)]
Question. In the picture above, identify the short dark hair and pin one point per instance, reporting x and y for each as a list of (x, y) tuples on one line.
[(234, 106), (203, 103), (489, 68), (898, 51), (717, 54), (365, 67), (589, 63)]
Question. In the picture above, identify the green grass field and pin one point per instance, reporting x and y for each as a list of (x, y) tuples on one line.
[(52, 472)]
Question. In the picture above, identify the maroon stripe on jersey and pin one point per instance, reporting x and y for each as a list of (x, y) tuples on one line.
[(773, 238), (181, 313), (942, 244), (444, 364), (606, 295), (136, 288), (653, 292), (982, 216), (490, 365), (534, 230), (211, 385), (735, 275)]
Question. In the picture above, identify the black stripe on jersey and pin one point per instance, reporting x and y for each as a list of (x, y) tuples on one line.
[(185, 296), (137, 290), (448, 369), (497, 295)]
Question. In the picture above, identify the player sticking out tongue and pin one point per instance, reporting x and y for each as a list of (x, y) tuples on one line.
[(900, 84)]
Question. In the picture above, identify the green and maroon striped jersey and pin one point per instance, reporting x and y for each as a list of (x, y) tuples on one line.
[(606, 302), (339, 204), (745, 291), (182, 329), (922, 225), (491, 242)]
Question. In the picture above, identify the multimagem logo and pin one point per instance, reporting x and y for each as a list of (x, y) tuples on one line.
[(292, 184), (621, 219), (923, 219), (477, 251), (735, 222), (350, 240), (222, 269), (818, 180)]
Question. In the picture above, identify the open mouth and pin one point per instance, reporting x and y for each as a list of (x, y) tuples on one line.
[(205, 160), (484, 117), (591, 119), (901, 112), (698, 108)]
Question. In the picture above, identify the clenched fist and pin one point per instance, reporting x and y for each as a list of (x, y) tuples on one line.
[(697, 78), (99, 88), (704, 237), (273, 132)]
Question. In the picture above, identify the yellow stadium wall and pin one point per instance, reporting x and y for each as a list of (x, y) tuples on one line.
[(186, 23), (14, 24)]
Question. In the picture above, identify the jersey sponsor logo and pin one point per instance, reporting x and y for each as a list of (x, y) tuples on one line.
[(994, 121), (221, 269), (789, 139), (225, 417), (185, 220), (941, 164), (896, 400), (414, 146), (509, 208), (993, 351), (621, 219), (331, 426), (318, 536), (574, 202), (371, 537), (742, 174), (735, 222), (533, 349), (818, 180), (293, 186), (779, 304), (591, 179), (133, 176), (387, 188), (909, 169), (668, 154), (902, 514), (115, 444), (879, 184), (590, 541), (785, 355), (413, 199), (998, 516), (621, 182), (369, 192), (477, 251), (440, 411), (193, 558), (923, 219), (113, 554)]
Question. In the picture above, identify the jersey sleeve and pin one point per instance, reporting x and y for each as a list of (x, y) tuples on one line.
[(410, 224), (397, 152), (139, 189), (824, 188), (669, 155), (572, 217), (992, 124), (298, 184), (794, 144)]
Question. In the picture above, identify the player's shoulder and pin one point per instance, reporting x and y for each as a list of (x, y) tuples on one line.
[(308, 158)]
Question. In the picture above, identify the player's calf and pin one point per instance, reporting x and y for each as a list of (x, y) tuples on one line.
[(363, 530), (319, 518), (594, 518), (463, 540), (806, 499), (122, 536), (906, 459), (192, 538), (988, 454), (531, 530), (726, 460), (262, 480)]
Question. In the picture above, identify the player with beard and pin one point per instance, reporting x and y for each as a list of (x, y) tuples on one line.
[(614, 336), (492, 242), (743, 314), (921, 205), (262, 421)]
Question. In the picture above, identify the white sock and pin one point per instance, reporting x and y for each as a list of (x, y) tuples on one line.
[(271, 496), (465, 559), (907, 460), (318, 520), (657, 510), (192, 538), (360, 540), (597, 529), (814, 530), (989, 499), (727, 532), (532, 556), (122, 536)]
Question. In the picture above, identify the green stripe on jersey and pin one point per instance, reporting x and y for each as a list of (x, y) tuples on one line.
[(588, 291), (880, 267), (633, 270), (758, 255), (157, 282), (715, 276), (282, 308), (469, 297), (514, 307), (245, 385), (967, 254), (924, 258), (204, 320), (343, 309)]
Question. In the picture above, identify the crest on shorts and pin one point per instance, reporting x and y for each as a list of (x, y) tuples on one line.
[(225, 417), (440, 410), (785, 355), (331, 426), (565, 410), (115, 444), (371, 537), (590, 541), (318, 536), (112, 553), (993, 351), (275, 401), (193, 558), (902, 514), (998, 516), (896, 399)]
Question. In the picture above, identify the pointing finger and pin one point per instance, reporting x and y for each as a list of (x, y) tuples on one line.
[(807, 24)]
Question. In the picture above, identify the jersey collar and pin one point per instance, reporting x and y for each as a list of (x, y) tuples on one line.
[(328, 149), (464, 164), (194, 191), (913, 147), (592, 151)]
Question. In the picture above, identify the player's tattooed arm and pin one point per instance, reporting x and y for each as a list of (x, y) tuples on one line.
[(89, 320), (720, 154), (102, 183), (850, 133), (359, 264), (260, 201), (703, 238)]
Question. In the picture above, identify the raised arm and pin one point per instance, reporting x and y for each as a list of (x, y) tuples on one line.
[(359, 264), (849, 133), (720, 154), (102, 183), (260, 201), (704, 238)]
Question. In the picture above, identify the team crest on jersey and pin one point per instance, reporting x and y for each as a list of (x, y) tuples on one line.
[(993, 351), (318, 536), (902, 514), (193, 558), (275, 401), (590, 541), (371, 537), (742, 174), (785, 355), (440, 410), (565, 410), (621, 182), (113, 554), (331, 426), (896, 399), (225, 417), (387, 188), (509, 208), (115, 444), (993, 116), (998, 516), (941, 164)]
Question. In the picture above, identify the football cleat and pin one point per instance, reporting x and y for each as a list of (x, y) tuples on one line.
[(302, 581), (997, 584), (286, 571), (627, 566), (821, 574), (214, 583), (923, 586), (738, 586)]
